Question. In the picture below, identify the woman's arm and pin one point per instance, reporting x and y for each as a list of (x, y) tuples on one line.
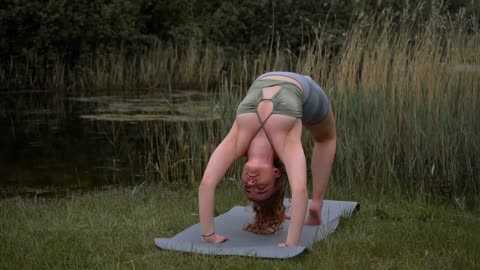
[(220, 161), (293, 157)]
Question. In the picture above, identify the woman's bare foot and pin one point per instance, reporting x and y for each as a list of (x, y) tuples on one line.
[(314, 214)]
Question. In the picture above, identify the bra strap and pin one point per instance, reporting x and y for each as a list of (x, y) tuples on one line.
[(262, 123)]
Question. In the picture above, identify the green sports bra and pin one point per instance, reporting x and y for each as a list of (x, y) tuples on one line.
[(287, 101)]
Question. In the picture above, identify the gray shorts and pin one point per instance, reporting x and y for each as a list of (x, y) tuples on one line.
[(315, 106)]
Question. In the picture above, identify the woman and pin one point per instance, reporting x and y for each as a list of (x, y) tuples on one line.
[(268, 127)]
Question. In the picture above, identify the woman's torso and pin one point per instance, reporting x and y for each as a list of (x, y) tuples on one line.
[(276, 125)]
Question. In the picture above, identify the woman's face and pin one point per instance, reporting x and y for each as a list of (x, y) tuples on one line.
[(259, 180)]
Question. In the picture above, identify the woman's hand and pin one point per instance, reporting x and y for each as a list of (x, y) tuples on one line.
[(215, 239)]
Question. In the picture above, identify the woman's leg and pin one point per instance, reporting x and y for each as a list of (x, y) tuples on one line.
[(323, 154)]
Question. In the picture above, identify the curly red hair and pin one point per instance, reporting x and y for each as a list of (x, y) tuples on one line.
[(270, 213)]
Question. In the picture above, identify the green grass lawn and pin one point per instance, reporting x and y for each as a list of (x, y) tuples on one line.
[(114, 229)]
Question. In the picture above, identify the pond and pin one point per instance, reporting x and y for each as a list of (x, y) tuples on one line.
[(50, 143)]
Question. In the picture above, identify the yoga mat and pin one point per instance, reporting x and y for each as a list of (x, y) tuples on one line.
[(244, 243)]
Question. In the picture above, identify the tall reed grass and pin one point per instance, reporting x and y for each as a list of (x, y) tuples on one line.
[(407, 114)]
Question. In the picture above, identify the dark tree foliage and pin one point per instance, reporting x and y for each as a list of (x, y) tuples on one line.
[(74, 30), (67, 29)]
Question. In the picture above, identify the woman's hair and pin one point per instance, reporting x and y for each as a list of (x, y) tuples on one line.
[(270, 213)]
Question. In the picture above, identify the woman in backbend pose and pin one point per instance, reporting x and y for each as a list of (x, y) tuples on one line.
[(268, 129)]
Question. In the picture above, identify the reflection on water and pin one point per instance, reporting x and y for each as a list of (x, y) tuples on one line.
[(184, 106), (82, 142)]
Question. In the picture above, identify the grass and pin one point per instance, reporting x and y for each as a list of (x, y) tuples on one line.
[(114, 229)]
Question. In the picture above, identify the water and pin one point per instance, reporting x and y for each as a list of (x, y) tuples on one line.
[(50, 143)]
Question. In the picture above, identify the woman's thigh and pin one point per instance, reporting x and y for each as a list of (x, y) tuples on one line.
[(325, 130)]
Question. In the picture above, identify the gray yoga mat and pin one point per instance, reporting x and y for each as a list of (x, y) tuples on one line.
[(244, 243)]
